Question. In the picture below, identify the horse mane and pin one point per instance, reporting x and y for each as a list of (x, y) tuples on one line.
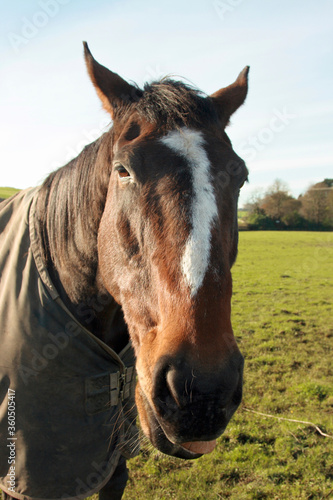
[(70, 205)]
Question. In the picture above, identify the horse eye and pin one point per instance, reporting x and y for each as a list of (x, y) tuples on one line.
[(122, 172)]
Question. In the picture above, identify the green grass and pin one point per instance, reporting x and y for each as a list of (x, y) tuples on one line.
[(6, 192), (282, 317)]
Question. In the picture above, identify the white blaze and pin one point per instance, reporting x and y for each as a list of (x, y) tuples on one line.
[(189, 144)]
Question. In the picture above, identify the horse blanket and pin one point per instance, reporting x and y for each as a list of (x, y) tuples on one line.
[(67, 411)]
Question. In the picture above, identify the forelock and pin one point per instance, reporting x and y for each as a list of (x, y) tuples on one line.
[(174, 104)]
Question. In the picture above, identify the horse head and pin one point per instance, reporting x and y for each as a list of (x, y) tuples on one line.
[(166, 244)]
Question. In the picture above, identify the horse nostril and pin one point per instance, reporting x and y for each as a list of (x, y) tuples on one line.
[(238, 393), (187, 399), (171, 379), (164, 394)]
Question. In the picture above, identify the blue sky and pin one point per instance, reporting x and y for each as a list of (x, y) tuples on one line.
[(49, 109)]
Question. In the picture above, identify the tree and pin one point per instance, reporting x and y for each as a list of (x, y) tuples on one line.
[(290, 212), (280, 206), (317, 203), (276, 208), (254, 202), (274, 200)]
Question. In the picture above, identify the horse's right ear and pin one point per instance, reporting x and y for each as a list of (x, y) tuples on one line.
[(113, 91)]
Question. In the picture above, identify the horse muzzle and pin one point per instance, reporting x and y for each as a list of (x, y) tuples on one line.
[(190, 407)]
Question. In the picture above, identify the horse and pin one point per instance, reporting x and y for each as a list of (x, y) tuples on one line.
[(115, 293)]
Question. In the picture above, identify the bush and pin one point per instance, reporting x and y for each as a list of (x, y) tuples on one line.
[(260, 221)]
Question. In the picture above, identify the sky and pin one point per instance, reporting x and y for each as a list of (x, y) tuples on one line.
[(49, 109)]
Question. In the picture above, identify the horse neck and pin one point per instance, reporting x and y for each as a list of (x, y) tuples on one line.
[(69, 209)]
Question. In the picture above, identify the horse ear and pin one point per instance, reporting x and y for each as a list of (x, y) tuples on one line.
[(113, 91), (229, 99)]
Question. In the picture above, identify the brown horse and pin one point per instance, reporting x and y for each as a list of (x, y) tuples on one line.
[(145, 218)]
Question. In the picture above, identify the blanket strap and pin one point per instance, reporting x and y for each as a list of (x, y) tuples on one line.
[(108, 389)]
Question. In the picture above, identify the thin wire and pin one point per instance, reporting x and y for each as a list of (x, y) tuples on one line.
[(290, 420)]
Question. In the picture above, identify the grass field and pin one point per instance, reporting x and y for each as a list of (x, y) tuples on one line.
[(6, 192), (282, 317)]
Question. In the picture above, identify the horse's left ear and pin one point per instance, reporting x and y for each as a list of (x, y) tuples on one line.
[(229, 99), (113, 91)]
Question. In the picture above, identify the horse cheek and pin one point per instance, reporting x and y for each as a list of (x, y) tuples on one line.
[(107, 260)]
